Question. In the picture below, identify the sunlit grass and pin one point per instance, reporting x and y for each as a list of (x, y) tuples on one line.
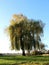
[(3, 61), (23, 60)]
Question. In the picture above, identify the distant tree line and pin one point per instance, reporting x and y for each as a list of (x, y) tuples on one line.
[(25, 33)]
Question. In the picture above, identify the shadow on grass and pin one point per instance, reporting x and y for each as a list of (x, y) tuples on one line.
[(24, 58)]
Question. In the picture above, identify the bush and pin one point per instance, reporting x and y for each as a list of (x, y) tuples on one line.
[(48, 52), (36, 52)]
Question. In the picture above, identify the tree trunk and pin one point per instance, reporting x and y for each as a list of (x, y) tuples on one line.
[(23, 52), (28, 52), (22, 46)]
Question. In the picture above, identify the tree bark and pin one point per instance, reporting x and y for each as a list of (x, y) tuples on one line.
[(22, 46)]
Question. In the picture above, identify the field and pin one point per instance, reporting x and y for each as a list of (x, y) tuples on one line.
[(23, 60)]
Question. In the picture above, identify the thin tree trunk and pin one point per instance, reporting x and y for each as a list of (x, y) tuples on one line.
[(34, 42), (23, 52), (28, 52)]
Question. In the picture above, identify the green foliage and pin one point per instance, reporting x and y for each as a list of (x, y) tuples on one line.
[(25, 33)]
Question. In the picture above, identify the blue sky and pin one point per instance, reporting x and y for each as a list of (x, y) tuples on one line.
[(33, 9)]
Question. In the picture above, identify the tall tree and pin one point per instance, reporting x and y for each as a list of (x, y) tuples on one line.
[(24, 33)]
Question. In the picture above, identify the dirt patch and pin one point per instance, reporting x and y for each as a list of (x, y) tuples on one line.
[(46, 64)]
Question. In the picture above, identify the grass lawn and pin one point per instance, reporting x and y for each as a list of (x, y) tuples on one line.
[(24, 60)]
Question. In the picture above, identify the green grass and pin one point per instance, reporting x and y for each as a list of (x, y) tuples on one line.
[(26, 60)]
